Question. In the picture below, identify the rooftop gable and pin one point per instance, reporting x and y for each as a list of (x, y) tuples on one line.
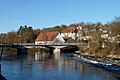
[(46, 36)]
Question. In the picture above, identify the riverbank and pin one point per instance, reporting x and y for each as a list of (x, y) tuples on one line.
[(108, 55), (109, 59), (105, 65)]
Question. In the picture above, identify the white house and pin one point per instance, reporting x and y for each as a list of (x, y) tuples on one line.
[(105, 32), (72, 32)]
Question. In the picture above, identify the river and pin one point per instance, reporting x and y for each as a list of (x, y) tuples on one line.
[(42, 66)]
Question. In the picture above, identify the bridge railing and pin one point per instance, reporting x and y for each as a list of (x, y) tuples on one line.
[(5, 44), (33, 44), (51, 44)]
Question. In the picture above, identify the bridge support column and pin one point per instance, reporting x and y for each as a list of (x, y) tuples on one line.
[(51, 51), (21, 51), (57, 50)]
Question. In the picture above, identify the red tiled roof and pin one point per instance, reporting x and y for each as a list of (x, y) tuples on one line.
[(46, 36), (69, 29)]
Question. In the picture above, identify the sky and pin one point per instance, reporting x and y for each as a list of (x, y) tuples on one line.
[(49, 13)]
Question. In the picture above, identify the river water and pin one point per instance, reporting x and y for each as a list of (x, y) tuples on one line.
[(42, 66)]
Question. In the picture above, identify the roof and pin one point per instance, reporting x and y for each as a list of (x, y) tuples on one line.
[(105, 28), (46, 36), (72, 29), (69, 29)]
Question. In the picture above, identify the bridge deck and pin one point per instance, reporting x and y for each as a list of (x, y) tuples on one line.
[(20, 46)]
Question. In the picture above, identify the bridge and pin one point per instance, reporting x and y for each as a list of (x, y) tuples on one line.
[(22, 48)]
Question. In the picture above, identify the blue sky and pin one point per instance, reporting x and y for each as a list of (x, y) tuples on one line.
[(49, 13)]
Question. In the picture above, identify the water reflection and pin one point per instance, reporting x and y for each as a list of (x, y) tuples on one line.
[(41, 56), (43, 66)]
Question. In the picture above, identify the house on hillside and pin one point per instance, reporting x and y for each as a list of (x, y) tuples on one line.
[(105, 35), (72, 33), (49, 38), (105, 32)]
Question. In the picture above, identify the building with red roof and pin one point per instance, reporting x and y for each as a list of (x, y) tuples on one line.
[(49, 38), (72, 32)]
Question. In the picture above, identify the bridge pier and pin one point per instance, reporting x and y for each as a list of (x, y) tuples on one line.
[(57, 50), (22, 51), (51, 51)]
